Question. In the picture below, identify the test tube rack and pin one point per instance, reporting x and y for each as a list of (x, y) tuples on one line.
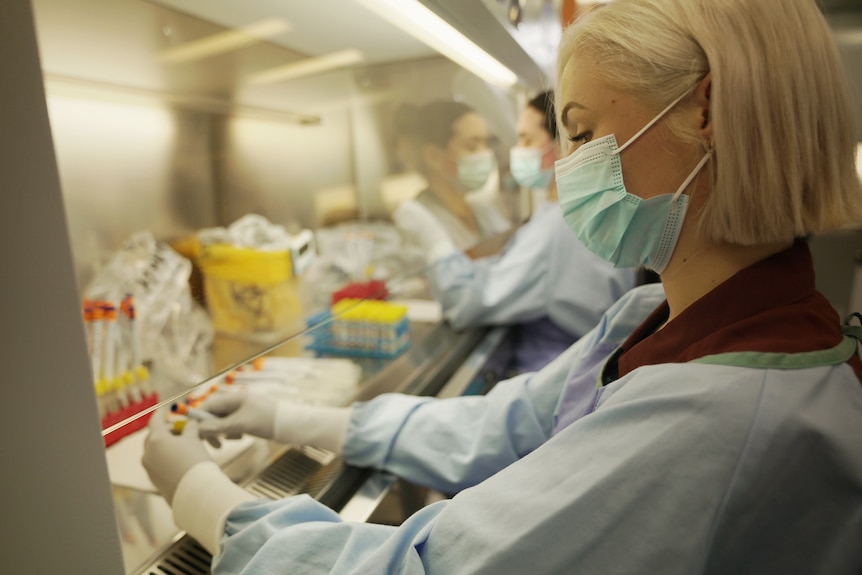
[(361, 328), (116, 417), (120, 379)]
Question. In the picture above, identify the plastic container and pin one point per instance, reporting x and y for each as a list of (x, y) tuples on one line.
[(374, 289), (250, 293)]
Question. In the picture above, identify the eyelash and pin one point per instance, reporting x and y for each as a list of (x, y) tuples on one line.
[(582, 137)]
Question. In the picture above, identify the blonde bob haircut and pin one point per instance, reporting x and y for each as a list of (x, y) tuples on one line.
[(783, 125)]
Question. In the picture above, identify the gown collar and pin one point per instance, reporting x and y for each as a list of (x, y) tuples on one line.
[(771, 306)]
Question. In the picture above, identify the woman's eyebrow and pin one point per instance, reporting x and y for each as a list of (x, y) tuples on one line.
[(569, 106)]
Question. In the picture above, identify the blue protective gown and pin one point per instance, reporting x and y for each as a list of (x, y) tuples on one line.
[(546, 282), (673, 468)]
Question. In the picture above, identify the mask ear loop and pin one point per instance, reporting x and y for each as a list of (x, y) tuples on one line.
[(693, 173), (650, 123), (548, 147)]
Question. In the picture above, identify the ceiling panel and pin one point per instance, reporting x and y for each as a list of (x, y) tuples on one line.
[(317, 26)]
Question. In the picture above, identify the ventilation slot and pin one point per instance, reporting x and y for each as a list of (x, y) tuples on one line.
[(299, 470), (185, 557), (289, 474)]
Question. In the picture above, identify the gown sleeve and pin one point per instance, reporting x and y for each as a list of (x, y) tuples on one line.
[(544, 271), (450, 444), (508, 288), (499, 444), (625, 489)]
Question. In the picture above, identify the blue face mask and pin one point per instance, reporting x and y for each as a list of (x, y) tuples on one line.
[(615, 225), (475, 169), (526, 167)]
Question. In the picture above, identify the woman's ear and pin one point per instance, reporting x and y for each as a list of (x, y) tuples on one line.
[(551, 155), (433, 158), (702, 99)]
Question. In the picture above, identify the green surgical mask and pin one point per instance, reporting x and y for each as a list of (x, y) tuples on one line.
[(615, 225), (475, 169), (525, 164)]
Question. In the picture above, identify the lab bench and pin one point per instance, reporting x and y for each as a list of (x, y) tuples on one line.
[(439, 362)]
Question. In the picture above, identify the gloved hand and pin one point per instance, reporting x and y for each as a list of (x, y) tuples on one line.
[(417, 223), (238, 413), (283, 421), (168, 457)]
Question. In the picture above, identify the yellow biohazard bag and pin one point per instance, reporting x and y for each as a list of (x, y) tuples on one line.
[(250, 293)]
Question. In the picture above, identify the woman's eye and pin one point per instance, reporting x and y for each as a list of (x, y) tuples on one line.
[(582, 137)]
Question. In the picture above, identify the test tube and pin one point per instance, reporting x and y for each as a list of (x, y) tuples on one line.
[(114, 399), (98, 315), (126, 365), (88, 323), (142, 374), (191, 412), (254, 377)]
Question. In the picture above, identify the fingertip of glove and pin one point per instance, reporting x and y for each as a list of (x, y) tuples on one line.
[(192, 427), (220, 404), (157, 423), (208, 426)]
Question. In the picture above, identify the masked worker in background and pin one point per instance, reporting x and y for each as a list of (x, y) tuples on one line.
[(448, 143), (531, 162), (710, 424), (545, 282)]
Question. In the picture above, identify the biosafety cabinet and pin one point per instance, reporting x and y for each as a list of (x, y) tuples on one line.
[(137, 135)]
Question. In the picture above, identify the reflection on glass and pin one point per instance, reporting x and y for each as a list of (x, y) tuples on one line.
[(226, 41), (177, 123)]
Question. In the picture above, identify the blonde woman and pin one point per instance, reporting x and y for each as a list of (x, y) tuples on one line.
[(712, 426)]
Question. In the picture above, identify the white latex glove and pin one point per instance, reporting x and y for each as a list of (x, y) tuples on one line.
[(243, 412), (417, 223), (238, 413), (168, 457), (200, 495)]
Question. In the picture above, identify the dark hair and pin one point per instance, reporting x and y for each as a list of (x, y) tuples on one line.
[(544, 104), (431, 124)]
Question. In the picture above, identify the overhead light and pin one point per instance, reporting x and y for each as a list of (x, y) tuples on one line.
[(307, 67), (226, 41), (424, 25), (859, 160)]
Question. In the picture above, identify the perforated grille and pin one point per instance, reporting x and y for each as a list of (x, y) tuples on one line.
[(299, 470), (293, 473), (185, 557)]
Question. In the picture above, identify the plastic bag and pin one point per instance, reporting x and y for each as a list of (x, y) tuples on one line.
[(357, 252), (175, 333), (250, 272)]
